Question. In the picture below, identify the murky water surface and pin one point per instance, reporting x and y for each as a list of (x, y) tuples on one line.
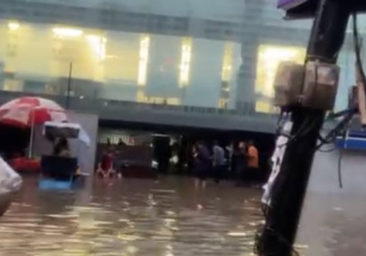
[(131, 217)]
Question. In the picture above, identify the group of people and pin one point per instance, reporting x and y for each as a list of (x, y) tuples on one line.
[(241, 161)]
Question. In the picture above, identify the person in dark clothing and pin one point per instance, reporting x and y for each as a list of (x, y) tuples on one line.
[(219, 162), (121, 142), (202, 164), (61, 148), (230, 162), (241, 162)]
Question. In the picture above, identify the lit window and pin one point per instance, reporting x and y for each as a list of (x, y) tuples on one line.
[(223, 103), (143, 60), (269, 57), (13, 25), (13, 85), (67, 32), (263, 106), (226, 75), (185, 62), (98, 45), (227, 63), (157, 100), (173, 101), (140, 97)]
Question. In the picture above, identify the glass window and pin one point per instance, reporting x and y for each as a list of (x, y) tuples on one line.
[(85, 50), (226, 74), (269, 57), (122, 59), (143, 60), (185, 62)]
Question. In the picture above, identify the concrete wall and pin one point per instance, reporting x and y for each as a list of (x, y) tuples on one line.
[(86, 154), (333, 220)]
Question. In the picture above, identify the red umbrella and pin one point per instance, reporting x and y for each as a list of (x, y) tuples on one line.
[(27, 111)]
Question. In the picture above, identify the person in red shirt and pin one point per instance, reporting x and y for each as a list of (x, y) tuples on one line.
[(105, 167)]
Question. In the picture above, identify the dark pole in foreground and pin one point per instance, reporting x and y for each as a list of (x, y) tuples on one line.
[(289, 190), (68, 87)]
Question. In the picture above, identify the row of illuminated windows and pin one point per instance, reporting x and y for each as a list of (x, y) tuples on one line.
[(95, 56), (88, 52), (39, 50)]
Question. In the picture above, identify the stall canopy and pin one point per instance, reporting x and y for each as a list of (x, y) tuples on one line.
[(30, 111), (66, 130)]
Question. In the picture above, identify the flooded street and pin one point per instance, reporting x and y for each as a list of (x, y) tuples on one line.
[(132, 217)]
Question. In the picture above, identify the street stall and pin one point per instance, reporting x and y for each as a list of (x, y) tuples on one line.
[(61, 169), (23, 115)]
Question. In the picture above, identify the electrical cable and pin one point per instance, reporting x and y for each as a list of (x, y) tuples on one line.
[(340, 176), (327, 150), (334, 133), (303, 130), (342, 125)]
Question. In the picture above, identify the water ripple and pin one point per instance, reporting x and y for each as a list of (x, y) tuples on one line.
[(131, 217)]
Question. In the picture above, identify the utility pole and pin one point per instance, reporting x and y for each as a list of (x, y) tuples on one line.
[(69, 80), (282, 218)]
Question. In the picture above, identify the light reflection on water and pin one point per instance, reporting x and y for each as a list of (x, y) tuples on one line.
[(131, 217)]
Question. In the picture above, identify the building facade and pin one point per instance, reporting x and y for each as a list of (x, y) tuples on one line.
[(200, 53)]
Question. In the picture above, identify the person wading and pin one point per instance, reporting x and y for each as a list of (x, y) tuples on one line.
[(202, 164), (218, 162)]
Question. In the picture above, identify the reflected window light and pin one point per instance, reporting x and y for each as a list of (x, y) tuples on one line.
[(140, 97), (173, 101), (143, 60), (237, 234), (12, 85), (185, 62), (269, 57), (67, 32), (169, 250), (226, 74), (223, 103), (98, 45), (13, 25), (263, 106), (227, 63)]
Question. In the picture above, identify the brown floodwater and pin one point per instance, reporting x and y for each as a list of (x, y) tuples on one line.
[(131, 217)]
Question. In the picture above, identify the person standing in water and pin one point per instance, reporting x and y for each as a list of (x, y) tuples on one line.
[(240, 163), (218, 162), (253, 162), (201, 165)]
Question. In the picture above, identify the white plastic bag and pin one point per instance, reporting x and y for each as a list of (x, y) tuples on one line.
[(10, 181)]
